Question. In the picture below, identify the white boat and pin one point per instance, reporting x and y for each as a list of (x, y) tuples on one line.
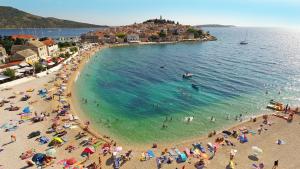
[(187, 75)]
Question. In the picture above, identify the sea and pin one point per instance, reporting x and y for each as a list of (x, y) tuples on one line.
[(47, 32), (136, 94)]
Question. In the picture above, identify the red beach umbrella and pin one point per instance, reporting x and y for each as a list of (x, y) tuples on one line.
[(89, 150), (71, 161)]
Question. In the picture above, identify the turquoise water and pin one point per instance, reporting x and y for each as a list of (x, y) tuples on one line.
[(135, 95)]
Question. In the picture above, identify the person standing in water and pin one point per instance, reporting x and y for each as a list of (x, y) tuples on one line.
[(212, 119), (227, 116)]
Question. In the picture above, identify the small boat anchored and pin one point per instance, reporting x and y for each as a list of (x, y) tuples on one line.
[(187, 75), (243, 42), (277, 106)]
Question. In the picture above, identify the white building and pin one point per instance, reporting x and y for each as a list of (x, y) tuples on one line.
[(3, 55), (133, 38), (39, 48), (52, 47)]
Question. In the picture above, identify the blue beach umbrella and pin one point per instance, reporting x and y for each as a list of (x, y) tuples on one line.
[(38, 158), (26, 110)]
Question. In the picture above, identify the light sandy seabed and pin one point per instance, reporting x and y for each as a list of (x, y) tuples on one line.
[(287, 154)]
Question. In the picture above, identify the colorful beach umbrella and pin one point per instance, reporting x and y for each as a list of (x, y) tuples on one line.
[(71, 161), (51, 152), (38, 158), (57, 139), (89, 150), (26, 110)]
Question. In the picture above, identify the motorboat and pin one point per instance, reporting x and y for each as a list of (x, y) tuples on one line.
[(243, 42), (187, 75)]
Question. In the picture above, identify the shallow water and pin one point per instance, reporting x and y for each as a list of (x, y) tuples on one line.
[(136, 97)]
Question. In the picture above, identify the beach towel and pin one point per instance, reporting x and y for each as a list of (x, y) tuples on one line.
[(200, 147), (280, 142), (150, 153), (43, 140)]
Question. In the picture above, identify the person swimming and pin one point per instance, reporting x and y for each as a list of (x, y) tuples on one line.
[(212, 119)]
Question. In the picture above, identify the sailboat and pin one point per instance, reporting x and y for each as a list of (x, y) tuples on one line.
[(244, 42)]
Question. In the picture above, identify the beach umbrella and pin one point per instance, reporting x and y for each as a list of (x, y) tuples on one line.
[(89, 150), (256, 151), (38, 158), (26, 110), (51, 152), (57, 139), (71, 161)]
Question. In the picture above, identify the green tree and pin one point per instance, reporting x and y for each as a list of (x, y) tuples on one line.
[(153, 38), (54, 59), (121, 35), (73, 49), (19, 41), (62, 55), (66, 44), (38, 67), (162, 34), (10, 73), (7, 43), (67, 55), (197, 33)]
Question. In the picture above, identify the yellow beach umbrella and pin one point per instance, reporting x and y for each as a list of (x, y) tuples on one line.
[(57, 139)]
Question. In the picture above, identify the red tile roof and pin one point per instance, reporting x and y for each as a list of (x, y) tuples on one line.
[(10, 64), (48, 42), (23, 36)]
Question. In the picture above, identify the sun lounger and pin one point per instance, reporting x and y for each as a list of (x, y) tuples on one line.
[(13, 128), (172, 153)]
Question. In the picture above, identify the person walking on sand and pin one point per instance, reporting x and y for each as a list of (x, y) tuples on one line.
[(275, 164), (100, 162), (13, 138)]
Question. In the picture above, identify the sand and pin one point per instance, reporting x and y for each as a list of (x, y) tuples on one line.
[(9, 157)]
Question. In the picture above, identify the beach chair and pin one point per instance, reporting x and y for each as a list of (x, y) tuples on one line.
[(172, 153)]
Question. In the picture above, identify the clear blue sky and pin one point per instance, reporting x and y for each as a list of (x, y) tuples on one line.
[(279, 13)]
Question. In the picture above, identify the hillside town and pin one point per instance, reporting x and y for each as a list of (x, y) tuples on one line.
[(153, 30), (25, 55)]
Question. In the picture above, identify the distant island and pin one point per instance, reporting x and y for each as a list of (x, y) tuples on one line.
[(215, 25), (13, 18)]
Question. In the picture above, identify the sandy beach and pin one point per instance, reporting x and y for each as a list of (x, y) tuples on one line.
[(276, 128)]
